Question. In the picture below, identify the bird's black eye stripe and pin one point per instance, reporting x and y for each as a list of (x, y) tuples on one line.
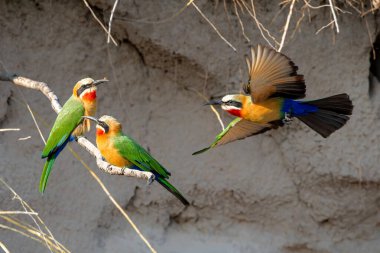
[(234, 103), (83, 88), (105, 126)]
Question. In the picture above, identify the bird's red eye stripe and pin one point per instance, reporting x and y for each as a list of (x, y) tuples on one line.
[(90, 95), (99, 131)]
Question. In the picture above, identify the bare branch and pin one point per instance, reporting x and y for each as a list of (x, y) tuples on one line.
[(106, 167), (111, 169)]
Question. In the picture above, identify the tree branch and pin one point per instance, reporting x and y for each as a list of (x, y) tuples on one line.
[(82, 141)]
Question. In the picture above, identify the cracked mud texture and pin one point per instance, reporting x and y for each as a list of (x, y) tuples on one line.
[(287, 190)]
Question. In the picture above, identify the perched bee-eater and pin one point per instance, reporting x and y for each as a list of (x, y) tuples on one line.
[(69, 123), (272, 87), (122, 151)]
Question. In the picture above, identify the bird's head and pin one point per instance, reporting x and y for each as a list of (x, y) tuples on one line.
[(230, 103), (105, 125), (85, 89)]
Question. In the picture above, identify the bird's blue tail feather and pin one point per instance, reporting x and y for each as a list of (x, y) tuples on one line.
[(297, 108)]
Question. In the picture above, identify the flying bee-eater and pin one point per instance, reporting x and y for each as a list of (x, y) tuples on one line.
[(69, 123), (120, 150), (269, 101)]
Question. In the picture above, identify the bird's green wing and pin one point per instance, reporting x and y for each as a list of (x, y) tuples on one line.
[(133, 152), (129, 149), (67, 120), (236, 130)]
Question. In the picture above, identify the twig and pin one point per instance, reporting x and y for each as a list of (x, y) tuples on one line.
[(240, 22), (259, 25), (334, 15), (211, 106), (165, 20), (18, 212), (110, 22), (286, 27), (100, 22), (44, 88), (213, 26), (31, 114), (9, 129), (2, 246), (323, 27), (316, 7), (24, 138)]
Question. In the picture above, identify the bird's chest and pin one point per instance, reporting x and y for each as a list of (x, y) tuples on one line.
[(263, 112), (89, 110), (111, 154)]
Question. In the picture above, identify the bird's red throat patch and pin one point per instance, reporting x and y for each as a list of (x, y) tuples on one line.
[(90, 96), (99, 131), (235, 112)]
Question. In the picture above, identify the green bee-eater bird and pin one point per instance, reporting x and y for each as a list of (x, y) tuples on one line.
[(69, 123), (269, 101), (122, 151)]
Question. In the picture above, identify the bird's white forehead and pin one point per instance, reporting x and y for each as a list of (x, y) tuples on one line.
[(228, 98), (106, 118), (87, 80)]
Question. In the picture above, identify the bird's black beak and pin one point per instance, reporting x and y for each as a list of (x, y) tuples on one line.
[(100, 81), (91, 118), (216, 101)]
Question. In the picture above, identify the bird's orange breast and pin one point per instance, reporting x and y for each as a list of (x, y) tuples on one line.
[(263, 112), (110, 153)]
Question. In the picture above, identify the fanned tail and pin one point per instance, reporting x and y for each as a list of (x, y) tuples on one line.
[(331, 115), (172, 189), (46, 172)]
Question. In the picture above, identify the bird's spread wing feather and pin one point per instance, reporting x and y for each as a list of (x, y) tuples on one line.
[(67, 120), (236, 130), (272, 74), (133, 152)]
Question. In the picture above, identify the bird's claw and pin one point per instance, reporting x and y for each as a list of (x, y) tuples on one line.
[(287, 119), (150, 179)]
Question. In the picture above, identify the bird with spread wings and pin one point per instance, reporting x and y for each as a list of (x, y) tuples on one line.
[(270, 100)]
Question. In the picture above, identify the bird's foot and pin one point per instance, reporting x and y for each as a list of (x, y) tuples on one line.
[(287, 119), (151, 179)]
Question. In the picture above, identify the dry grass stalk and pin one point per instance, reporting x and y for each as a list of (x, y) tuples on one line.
[(37, 231), (100, 23), (212, 25)]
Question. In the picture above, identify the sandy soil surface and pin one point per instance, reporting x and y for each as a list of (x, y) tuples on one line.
[(288, 190)]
